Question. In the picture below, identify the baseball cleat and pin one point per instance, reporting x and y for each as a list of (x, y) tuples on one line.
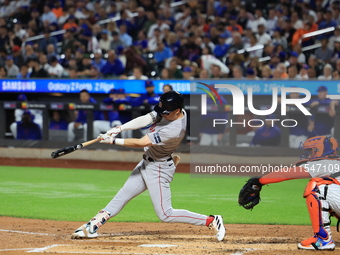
[(83, 232), (317, 243), (217, 226)]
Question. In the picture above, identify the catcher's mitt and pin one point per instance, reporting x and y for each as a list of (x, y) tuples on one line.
[(250, 193)]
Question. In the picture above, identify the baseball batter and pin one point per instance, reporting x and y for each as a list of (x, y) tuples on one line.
[(322, 164), (156, 170)]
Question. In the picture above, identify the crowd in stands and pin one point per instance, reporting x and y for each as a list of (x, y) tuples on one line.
[(143, 39), (200, 39)]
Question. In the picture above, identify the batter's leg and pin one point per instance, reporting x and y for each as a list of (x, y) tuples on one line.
[(157, 177), (132, 187)]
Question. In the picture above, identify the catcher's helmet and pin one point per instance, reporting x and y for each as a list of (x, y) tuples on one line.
[(319, 147), (169, 102)]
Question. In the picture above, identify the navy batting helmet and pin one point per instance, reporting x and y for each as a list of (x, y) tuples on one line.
[(169, 102)]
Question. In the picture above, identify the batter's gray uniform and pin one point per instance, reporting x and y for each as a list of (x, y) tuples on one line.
[(155, 173)]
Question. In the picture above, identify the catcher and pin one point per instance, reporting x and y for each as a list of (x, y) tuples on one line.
[(322, 165)]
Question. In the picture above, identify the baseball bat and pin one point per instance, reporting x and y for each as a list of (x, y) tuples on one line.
[(70, 149)]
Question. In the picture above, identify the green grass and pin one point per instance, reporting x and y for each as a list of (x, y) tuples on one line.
[(77, 195)]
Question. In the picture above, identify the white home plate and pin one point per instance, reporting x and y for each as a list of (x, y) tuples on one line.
[(157, 245)]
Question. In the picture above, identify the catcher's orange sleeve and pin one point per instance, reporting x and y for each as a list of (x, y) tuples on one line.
[(297, 172)]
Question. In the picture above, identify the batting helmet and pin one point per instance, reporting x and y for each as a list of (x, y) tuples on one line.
[(169, 102), (319, 147)]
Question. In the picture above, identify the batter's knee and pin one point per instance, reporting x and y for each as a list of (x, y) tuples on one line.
[(164, 216)]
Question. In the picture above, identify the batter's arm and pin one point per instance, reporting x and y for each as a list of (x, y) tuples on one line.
[(134, 124), (134, 142)]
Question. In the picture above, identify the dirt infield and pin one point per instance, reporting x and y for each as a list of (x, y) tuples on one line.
[(23, 236)]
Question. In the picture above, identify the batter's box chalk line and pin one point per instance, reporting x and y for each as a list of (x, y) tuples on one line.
[(23, 232)]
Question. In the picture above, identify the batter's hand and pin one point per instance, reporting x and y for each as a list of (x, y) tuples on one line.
[(114, 131), (104, 138)]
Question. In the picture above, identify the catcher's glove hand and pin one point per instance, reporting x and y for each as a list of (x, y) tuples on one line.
[(250, 193)]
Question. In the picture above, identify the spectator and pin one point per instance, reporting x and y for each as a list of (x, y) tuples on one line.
[(123, 35), (293, 72), (46, 41), (57, 123), (311, 73), (29, 52), (48, 15), (187, 73), (242, 18), (17, 57), (4, 38), (324, 53), (189, 50), (278, 39), (237, 72), (51, 52), (12, 69), (271, 21), (334, 38), (55, 69), (24, 74), (328, 22), (256, 50), (150, 98), (165, 74), (80, 124), (253, 24), (98, 61), (138, 74), (116, 41), (37, 70), (3, 72), (327, 73), (204, 74), (296, 21), (44, 62), (221, 48), (321, 123), (174, 71), (7, 9), (27, 129), (71, 23), (19, 31), (237, 43), (263, 38), (266, 72), (105, 40), (162, 54), (304, 72), (267, 135), (233, 26), (68, 41), (142, 42), (113, 66), (57, 9), (157, 37), (160, 24), (250, 74), (167, 88), (216, 72)]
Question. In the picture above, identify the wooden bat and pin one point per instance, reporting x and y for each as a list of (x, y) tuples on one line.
[(67, 150)]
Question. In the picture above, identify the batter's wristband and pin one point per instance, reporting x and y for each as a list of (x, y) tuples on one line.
[(119, 141)]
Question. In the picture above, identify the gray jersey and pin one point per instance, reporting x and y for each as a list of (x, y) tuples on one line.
[(321, 168), (166, 136)]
